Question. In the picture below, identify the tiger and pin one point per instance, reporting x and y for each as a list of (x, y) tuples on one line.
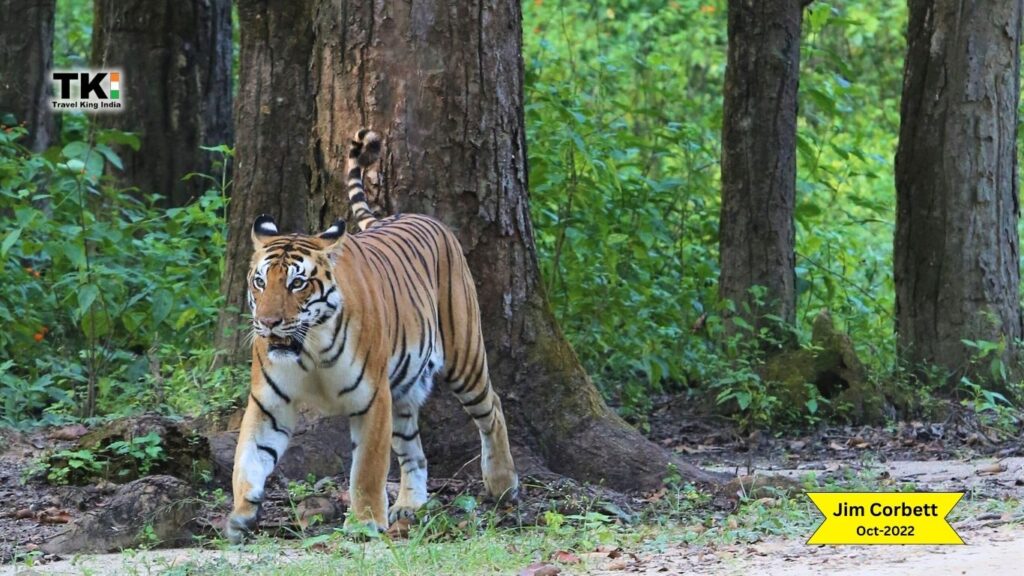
[(362, 324)]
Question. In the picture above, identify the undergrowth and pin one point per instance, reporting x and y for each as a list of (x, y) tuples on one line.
[(111, 301)]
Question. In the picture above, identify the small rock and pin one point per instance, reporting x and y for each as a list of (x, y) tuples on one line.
[(317, 509)]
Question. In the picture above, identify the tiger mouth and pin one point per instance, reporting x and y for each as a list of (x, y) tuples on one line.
[(284, 344)]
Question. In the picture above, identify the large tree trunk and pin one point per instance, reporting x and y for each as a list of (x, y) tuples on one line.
[(26, 57), (274, 118), (957, 266), (756, 233), (443, 83), (175, 56)]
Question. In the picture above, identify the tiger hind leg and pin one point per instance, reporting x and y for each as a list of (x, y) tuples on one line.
[(481, 402), (405, 442)]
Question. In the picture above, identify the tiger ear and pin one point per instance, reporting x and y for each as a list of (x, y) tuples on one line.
[(332, 238), (262, 229), (334, 231)]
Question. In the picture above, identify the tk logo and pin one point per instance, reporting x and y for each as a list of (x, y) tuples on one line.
[(95, 90)]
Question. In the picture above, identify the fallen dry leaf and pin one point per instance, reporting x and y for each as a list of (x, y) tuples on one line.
[(62, 518), (540, 569), (72, 432), (991, 469), (565, 557), (594, 556), (617, 564), (400, 528), (657, 495), (697, 528), (611, 551)]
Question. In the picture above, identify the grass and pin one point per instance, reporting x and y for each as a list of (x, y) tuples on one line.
[(677, 517)]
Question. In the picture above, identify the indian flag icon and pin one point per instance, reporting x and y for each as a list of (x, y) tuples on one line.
[(115, 85)]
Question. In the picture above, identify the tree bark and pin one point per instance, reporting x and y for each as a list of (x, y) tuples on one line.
[(956, 253), (756, 231), (175, 56), (26, 57), (274, 118), (443, 83)]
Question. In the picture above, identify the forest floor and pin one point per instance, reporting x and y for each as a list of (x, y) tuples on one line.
[(562, 527)]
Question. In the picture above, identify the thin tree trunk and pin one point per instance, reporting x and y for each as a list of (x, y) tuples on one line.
[(443, 83), (175, 56), (756, 232), (26, 57), (957, 265), (274, 118)]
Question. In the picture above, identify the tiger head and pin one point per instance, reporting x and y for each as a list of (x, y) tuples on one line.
[(291, 284)]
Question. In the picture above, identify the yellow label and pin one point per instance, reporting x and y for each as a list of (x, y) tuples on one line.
[(885, 517)]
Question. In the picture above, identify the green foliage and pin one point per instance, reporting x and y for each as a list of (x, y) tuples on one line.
[(81, 463), (72, 33), (139, 456), (624, 116), (147, 451), (105, 288)]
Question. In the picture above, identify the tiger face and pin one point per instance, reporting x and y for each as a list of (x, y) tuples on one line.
[(291, 285)]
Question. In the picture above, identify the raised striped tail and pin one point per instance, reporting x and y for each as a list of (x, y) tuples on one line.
[(364, 152)]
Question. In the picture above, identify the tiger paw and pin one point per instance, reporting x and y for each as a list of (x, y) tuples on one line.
[(503, 487), (239, 526), (402, 512)]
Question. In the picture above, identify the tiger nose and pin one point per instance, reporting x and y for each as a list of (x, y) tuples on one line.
[(270, 321)]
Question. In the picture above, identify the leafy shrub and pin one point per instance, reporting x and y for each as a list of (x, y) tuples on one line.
[(623, 118), (104, 287)]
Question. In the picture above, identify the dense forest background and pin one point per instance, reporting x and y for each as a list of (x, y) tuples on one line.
[(112, 298)]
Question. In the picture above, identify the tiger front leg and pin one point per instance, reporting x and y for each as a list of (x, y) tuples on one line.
[(371, 458), (262, 440)]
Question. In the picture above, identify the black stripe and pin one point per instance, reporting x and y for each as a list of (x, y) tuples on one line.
[(485, 414), (322, 298), (270, 381), (337, 328), (358, 197), (403, 369), (269, 450), (478, 398), (359, 380), (368, 406), (407, 438), (467, 382), (273, 421), (341, 349)]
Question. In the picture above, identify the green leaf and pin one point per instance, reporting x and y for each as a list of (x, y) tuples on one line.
[(465, 502), (110, 155), (185, 317), (162, 302), (9, 241), (812, 405), (75, 150), (95, 324), (86, 296)]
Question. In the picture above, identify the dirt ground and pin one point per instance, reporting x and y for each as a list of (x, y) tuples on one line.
[(955, 455)]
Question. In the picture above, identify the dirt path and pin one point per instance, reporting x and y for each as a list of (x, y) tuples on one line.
[(988, 551)]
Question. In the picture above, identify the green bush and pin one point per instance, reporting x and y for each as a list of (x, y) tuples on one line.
[(104, 288), (624, 108)]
